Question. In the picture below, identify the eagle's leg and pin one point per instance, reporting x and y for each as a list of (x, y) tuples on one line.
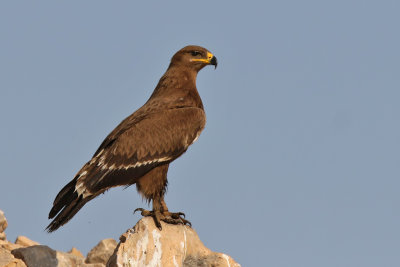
[(152, 186)]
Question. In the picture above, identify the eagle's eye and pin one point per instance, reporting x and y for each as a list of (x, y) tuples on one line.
[(195, 53)]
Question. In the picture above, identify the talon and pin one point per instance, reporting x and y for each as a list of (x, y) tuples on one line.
[(186, 222), (175, 218)]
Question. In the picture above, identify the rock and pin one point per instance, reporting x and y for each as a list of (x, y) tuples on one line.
[(5, 257), (217, 259), (3, 222), (175, 245), (25, 242), (102, 251), (76, 252), (69, 260), (3, 236), (15, 263), (143, 245), (8, 260), (36, 256), (43, 256), (3, 225), (8, 245)]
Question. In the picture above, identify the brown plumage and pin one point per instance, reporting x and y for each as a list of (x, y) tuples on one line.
[(139, 150)]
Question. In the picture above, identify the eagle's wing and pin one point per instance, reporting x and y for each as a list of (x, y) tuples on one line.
[(137, 145), (132, 151)]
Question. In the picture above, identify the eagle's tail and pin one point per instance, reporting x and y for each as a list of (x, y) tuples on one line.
[(65, 206)]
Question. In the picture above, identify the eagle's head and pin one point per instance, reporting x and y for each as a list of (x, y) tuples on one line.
[(194, 57)]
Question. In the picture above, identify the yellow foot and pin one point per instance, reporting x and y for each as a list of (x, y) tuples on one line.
[(166, 216)]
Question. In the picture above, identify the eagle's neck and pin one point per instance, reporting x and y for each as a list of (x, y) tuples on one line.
[(181, 76), (177, 87)]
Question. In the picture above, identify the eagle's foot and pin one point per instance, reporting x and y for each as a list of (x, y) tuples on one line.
[(166, 216), (175, 218)]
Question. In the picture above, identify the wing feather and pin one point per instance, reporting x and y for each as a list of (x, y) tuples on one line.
[(137, 146)]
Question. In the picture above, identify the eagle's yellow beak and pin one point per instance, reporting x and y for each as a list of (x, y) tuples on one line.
[(211, 59)]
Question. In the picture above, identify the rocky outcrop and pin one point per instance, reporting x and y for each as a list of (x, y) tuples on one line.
[(142, 245), (25, 242), (175, 245), (28, 253), (102, 252), (6, 258), (74, 251)]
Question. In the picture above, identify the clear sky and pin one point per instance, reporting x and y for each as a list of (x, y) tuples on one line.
[(299, 163)]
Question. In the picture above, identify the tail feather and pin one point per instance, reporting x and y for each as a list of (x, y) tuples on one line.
[(65, 206), (65, 196)]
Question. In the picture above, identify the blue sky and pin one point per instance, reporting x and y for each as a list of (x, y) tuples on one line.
[(298, 164)]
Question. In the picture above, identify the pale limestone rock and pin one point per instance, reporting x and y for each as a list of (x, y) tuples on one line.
[(3, 225), (3, 236), (8, 260), (8, 245), (25, 242), (69, 260), (175, 245), (15, 263), (102, 251), (5, 256), (3, 222), (74, 251), (74, 258)]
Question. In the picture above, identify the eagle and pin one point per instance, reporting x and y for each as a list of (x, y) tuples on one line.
[(140, 149)]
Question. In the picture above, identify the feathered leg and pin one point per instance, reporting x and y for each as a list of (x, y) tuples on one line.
[(152, 186)]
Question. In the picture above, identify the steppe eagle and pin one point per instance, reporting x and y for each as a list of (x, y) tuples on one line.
[(140, 149)]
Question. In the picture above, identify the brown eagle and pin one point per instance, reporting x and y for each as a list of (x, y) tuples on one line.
[(143, 145)]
